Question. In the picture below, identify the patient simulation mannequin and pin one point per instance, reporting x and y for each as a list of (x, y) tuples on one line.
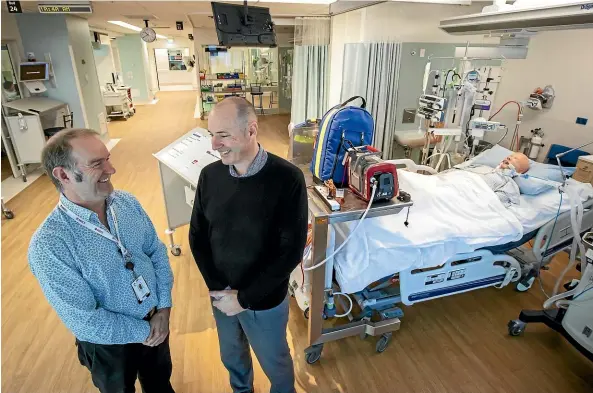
[(500, 179), (517, 161)]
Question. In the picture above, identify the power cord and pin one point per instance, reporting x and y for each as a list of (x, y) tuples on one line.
[(349, 236)]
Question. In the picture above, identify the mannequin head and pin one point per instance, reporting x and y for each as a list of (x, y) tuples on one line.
[(518, 160)]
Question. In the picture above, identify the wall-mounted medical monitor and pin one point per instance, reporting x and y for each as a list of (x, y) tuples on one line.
[(33, 71)]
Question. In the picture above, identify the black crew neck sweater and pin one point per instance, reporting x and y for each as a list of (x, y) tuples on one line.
[(249, 233)]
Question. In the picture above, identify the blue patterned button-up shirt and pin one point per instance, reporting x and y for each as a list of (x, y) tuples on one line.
[(83, 276)]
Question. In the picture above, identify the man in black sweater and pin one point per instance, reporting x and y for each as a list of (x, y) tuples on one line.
[(247, 233)]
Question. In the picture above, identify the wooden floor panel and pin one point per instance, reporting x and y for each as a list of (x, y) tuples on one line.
[(457, 344)]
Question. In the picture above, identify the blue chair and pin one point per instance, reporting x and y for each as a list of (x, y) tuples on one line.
[(569, 160)]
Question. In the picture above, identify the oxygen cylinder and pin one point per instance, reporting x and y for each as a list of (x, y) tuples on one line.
[(536, 144)]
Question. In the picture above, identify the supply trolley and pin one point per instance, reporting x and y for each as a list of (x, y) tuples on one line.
[(322, 287)]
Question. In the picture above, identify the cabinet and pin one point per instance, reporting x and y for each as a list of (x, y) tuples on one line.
[(584, 171)]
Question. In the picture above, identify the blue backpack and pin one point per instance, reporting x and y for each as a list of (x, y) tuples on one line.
[(341, 127)]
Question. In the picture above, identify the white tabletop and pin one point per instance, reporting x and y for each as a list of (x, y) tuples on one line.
[(589, 158), (32, 104), (189, 154)]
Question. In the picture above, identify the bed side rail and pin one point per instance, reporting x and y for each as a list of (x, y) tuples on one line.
[(411, 166), (562, 236), (461, 273)]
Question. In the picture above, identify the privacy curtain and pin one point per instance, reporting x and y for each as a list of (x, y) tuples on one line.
[(371, 71), (311, 69)]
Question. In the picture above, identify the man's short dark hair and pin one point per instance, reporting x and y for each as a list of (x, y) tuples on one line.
[(58, 152)]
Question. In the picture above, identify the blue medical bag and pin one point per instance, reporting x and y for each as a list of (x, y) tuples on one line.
[(341, 127)]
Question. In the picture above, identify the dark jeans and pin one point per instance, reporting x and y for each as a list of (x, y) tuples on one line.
[(265, 331), (114, 368)]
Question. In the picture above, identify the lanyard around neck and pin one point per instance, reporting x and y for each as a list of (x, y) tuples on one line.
[(95, 229)]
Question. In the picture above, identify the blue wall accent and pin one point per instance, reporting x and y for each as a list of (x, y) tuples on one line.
[(42, 34), (131, 57)]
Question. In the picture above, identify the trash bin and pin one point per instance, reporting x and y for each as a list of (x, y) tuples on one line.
[(302, 141)]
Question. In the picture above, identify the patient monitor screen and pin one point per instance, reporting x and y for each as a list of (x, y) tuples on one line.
[(33, 72)]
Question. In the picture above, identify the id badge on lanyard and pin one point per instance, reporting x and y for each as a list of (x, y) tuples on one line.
[(139, 285)]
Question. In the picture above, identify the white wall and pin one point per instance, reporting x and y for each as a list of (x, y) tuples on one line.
[(104, 61), (563, 59), (398, 22), (284, 39), (148, 74), (173, 77), (12, 36), (80, 41), (10, 31)]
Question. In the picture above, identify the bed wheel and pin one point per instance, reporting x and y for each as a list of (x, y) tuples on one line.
[(516, 327), (306, 313), (383, 342), (176, 251), (313, 353)]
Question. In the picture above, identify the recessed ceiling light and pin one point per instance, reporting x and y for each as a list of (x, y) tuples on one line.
[(124, 24)]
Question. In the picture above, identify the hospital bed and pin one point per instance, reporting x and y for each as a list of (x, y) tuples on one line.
[(541, 221)]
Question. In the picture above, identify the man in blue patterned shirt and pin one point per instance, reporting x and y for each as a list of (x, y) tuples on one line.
[(103, 269)]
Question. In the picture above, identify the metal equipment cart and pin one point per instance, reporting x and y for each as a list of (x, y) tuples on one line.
[(322, 277)]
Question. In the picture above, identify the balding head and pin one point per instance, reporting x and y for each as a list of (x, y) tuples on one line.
[(233, 126), (518, 160), (236, 108)]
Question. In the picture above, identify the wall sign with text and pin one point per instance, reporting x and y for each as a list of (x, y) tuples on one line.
[(65, 8), (14, 7)]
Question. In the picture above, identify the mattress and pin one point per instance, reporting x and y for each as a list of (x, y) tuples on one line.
[(453, 213)]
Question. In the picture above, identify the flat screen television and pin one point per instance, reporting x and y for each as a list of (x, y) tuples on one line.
[(240, 25), (33, 71)]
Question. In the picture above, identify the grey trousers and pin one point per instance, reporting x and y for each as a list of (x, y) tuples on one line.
[(265, 331)]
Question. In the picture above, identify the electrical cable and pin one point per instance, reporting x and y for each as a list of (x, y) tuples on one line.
[(576, 220), (588, 288), (515, 140), (349, 236), (504, 136), (349, 308)]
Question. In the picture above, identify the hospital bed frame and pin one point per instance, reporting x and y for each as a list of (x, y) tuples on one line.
[(461, 273)]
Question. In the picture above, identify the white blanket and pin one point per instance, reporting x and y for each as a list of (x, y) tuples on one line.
[(453, 213)]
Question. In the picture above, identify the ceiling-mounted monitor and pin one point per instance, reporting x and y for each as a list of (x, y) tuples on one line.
[(240, 25)]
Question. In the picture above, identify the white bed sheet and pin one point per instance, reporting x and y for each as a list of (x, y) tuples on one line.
[(536, 210), (453, 213)]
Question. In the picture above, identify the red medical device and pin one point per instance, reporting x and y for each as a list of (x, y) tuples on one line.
[(366, 168)]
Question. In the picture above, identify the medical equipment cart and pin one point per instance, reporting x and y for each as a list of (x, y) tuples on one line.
[(26, 120), (180, 164), (321, 278)]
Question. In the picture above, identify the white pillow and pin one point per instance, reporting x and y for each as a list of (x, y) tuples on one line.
[(529, 185), (491, 157)]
